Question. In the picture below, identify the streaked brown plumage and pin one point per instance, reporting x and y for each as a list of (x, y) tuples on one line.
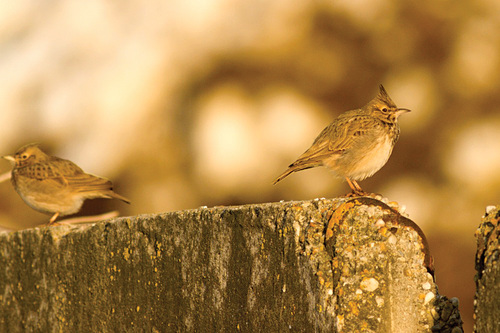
[(53, 185), (356, 144)]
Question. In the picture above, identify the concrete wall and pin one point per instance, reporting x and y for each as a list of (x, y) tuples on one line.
[(339, 265), (487, 300)]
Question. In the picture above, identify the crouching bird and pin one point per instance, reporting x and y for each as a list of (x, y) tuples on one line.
[(53, 185)]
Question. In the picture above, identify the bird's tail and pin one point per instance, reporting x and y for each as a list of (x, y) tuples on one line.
[(294, 168), (115, 195)]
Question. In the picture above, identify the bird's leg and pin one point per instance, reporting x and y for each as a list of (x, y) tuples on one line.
[(356, 189), (53, 218), (359, 190)]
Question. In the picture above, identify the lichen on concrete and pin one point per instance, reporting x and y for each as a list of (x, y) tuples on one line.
[(381, 282)]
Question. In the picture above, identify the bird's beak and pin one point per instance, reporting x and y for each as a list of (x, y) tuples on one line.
[(9, 158), (400, 111)]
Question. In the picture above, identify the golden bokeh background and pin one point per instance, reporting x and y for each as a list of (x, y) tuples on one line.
[(200, 103)]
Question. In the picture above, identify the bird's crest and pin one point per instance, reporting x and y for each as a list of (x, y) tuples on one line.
[(384, 98)]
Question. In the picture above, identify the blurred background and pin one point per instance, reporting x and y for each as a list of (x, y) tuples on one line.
[(190, 103)]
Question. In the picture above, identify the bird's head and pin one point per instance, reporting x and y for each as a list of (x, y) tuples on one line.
[(384, 108), (26, 155)]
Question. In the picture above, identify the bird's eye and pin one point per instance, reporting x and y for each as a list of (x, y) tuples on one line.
[(24, 156), (384, 110)]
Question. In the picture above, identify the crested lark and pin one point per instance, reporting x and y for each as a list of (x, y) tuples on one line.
[(356, 144), (53, 185)]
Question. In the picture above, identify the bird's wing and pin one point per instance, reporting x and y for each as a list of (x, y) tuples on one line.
[(88, 183), (335, 139), (101, 187), (346, 131), (77, 179), (52, 172), (62, 173)]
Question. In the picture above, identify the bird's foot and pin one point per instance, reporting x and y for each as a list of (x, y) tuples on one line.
[(356, 194)]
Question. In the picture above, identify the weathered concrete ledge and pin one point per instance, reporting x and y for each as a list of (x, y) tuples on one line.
[(340, 265), (487, 298)]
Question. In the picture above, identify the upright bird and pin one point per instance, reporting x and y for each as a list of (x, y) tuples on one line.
[(356, 144), (52, 185)]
